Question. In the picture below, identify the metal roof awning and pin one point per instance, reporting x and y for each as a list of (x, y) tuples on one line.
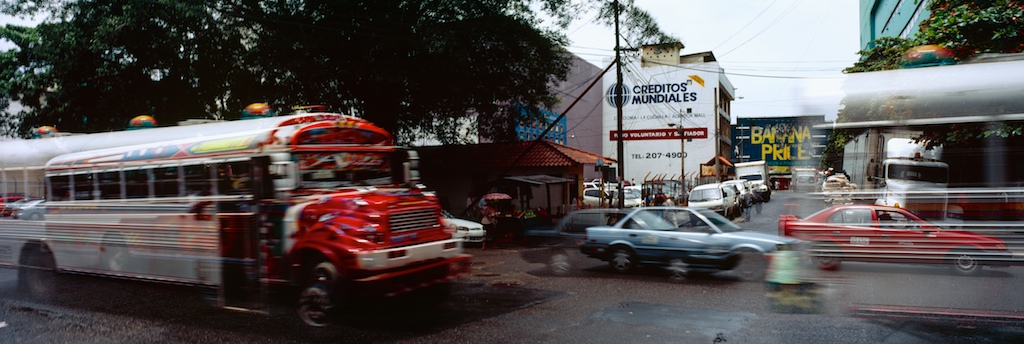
[(722, 159), (915, 97), (539, 179)]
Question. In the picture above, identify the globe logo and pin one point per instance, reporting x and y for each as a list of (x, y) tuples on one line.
[(617, 94)]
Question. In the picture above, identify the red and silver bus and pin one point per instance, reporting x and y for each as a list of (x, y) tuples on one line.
[(319, 201)]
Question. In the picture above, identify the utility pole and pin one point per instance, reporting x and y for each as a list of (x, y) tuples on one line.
[(682, 149), (718, 141), (618, 109)]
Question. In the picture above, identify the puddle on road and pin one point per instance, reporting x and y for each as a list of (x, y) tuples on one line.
[(709, 322)]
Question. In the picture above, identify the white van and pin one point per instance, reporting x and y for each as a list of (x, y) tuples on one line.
[(716, 197)]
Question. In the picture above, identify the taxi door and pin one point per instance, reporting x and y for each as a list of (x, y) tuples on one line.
[(855, 231)]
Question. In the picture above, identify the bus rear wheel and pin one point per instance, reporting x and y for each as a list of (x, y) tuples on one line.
[(115, 255), (37, 271)]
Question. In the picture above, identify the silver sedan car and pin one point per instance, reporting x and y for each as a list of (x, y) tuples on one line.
[(697, 239)]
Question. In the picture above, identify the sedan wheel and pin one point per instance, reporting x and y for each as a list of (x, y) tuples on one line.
[(677, 270), (752, 266), (559, 264), (622, 259)]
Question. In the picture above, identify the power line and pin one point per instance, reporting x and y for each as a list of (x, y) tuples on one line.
[(745, 26), (776, 21)]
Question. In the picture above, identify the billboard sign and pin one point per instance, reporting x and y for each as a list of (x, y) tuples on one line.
[(781, 141)]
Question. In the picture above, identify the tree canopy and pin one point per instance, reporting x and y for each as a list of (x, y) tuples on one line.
[(411, 67)]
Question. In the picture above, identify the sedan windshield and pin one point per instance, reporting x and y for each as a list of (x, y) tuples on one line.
[(662, 219), (724, 224)]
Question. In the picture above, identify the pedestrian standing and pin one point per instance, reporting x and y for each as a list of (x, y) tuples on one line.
[(489, 221), (757, 202), (748, 202)]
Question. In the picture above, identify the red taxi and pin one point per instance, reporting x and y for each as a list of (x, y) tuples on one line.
[(873, 233)]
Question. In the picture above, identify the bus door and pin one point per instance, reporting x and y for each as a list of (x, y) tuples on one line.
[(241, 187)]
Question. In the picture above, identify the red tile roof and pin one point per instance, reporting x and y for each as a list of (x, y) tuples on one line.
[(542, 154)]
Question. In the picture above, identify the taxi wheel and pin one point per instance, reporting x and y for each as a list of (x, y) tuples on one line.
[(622, 259), (965, 262), (825, 255)]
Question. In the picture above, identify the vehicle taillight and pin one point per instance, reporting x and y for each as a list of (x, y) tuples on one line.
[(783, 219)]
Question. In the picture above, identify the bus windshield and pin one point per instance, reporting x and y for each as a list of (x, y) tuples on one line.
[(918, 173), (344, 169)]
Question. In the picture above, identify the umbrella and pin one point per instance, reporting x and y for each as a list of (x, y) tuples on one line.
[(495, 196)]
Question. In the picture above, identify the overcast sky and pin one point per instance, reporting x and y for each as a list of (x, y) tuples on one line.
[(785, 57)]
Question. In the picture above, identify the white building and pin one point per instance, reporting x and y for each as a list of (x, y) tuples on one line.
[(662, 92)]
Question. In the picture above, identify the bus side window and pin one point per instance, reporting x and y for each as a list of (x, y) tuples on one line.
[(110, 185), (83, 186), (236, 180), (60, 186), (197, 180), (166, 182), (136, 183)]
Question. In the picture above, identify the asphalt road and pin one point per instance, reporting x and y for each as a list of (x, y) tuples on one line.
[(507, 300)]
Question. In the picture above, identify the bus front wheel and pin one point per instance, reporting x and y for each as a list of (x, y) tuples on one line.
[(317, 299)]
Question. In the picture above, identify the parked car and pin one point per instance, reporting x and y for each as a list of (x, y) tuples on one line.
[(745, 191), (10, 208), (691, 238), (6, 202), (469, 231), (716, 197), (31, 210), (632, 197), (876, 233), (592, 198), (558, 246)]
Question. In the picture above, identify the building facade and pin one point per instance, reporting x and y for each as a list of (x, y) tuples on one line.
[(538, 130), (675, 115), (582, 124), (890, 18)]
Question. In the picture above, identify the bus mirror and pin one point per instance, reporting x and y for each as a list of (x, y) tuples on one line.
[(411, 174), (283, 174), (261, 180), (409, 162)]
